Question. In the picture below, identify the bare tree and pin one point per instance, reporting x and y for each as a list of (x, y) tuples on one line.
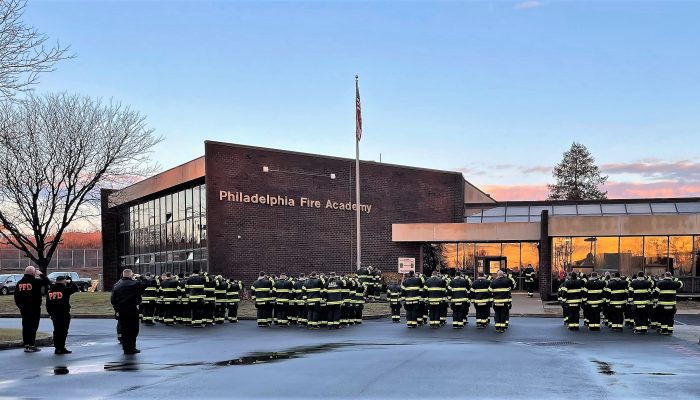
[(24, 51), (56, 152)]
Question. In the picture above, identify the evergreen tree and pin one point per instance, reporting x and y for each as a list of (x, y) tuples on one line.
[(577, 177)]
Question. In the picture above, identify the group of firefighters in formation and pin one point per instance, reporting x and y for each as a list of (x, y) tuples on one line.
[(426, 299), (641, 301), (316, 300), (189, 299)]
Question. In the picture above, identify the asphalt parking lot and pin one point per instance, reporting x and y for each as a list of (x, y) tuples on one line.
[(536, 358)]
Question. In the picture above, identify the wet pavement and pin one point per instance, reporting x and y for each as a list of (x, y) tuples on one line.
[(536, 358)]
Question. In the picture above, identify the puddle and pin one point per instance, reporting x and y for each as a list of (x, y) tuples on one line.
[(604, 368), (121, 366), (248, 359), (297, 352)]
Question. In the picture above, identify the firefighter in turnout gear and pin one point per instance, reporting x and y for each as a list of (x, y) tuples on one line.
[(334, 300), (299, 300), (149, 299), (411, 292), (283, 290), (220, 299), (195, 289), (345, 296), (480, 295), (313, 294), (209, 299), (572, 296), (665, 295), (261, 293), (458, 295), (640, 295), (393, 295), (360, 291), (169, 293), (593, 301), (233, 298), (529, 274), (501, 296), (437, 293), (616, 298), (184, 314)]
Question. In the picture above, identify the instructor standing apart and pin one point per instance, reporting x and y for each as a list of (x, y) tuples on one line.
[(28, 299), (58, 307), (126, 297)]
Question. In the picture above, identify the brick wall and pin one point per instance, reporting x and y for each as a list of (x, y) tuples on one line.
[(110, 257), (247, 238)]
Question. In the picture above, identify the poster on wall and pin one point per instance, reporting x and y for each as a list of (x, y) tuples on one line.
[(406, 265)]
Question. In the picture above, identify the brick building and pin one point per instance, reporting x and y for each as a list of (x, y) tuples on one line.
[(241, 209)]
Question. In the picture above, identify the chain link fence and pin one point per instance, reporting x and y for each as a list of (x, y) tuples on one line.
[(12, 260)]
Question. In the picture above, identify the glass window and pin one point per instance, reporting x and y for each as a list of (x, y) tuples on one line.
[(530, 255), (663, 208), (474, 219), (655, 254), (517, 218), (631, 255), (195, 201), (561, 255), (642, 208), (614, 209), (696, 250), (488, 249), (589, 209), (583, 253), (565, 210), (681, 255), (537, 210), (607, 252), (466, 254), (495, 212), (204, 232), (471, 211), (688, 207), (512, 253), (181, 205), (450, 255), (517, 211), (494, 219)]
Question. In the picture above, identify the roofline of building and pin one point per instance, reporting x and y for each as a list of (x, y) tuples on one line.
[(299, 153), (572, 202)]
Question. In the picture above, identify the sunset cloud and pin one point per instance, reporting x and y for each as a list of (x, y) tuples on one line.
[(616, 190), (657, 169)]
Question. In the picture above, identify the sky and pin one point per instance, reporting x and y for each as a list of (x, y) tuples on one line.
[(497, 90)]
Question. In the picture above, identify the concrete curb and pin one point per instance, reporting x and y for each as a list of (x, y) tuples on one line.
[(14, 344)]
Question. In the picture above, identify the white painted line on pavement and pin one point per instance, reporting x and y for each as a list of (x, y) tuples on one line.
[(679, 322)]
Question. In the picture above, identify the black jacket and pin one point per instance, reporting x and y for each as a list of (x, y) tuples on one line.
[(28, 292), (458, 290), (594, 292), (500, 291), (126, 294), (58, 298)]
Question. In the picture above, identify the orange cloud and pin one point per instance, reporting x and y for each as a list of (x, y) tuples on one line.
[(616, 190)]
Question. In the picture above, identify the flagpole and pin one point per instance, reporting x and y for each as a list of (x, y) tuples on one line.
[(357, 181)]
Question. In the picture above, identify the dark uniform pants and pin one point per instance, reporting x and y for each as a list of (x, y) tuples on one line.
[(333, 315), (129, 322), (61, 323), (592, 315), (530, 285), (616, 316), (281, 314), (501, 314), (411, 314), (197, 311), (483, 312), (641, 318), (167, 312), (358, 312), (434, 311), (148, 310), (264, 313), (314, 310), (666, 315), (422, 313), (30, 323), (395, 312), (233, 312), (573, 316), (459, 314)]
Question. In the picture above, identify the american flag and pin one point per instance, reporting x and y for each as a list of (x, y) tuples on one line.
[(358, 110)]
